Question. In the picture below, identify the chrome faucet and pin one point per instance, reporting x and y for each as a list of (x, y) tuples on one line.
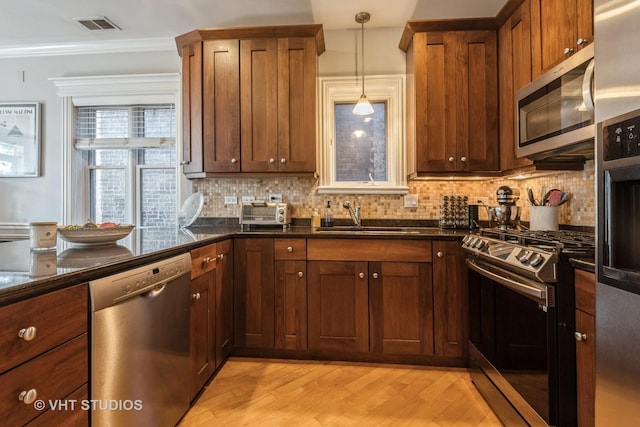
[(354, 212)]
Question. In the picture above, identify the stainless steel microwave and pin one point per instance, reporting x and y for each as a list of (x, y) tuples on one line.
[(555, 112)]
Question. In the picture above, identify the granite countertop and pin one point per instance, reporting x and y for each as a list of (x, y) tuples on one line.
[(24, 273)]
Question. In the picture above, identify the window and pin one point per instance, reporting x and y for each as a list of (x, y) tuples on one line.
[(119, 159), (362, 154)]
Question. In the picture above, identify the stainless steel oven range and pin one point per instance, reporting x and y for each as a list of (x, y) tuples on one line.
[(522, 322)]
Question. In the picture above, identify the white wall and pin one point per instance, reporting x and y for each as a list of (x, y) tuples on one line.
[(39, 199)]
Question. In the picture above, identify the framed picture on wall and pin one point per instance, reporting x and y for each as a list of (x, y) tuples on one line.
[(19, 139)]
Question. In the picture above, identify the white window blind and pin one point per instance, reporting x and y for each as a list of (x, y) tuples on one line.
[(137, 126)]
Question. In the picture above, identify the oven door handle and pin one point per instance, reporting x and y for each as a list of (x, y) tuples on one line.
[(540, 293)]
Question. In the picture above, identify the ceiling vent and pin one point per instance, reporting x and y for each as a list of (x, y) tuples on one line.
[(100, 23)]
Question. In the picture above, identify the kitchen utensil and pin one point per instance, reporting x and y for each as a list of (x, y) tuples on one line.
[(555, 197), (564, 198), (532, 200)]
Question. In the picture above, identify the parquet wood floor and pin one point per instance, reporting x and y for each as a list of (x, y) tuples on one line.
[(269, 392)]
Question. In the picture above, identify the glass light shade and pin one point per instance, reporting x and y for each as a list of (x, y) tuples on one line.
[(363, 107)]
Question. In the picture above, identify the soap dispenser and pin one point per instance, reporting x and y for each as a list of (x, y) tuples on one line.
[(327, 221)]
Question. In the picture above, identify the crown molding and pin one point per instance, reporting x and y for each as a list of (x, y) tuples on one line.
[(88, 47)]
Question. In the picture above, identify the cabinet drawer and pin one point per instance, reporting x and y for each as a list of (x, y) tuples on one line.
[(290, 249), (585, 291), (71, 417), (369, 250), (53, 375), (56, 317), (203, 260)]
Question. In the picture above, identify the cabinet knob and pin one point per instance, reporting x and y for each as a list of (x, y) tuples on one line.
[(27, 334), (185, 162), (439, 254), (234, 160), (272, 160), (582, 41), (580, 336), (220, 256), (568, 50), (28, 396), (283, 160), (451, 159), (361, 275), (300, 274), (289, 249), (195, 296), (463, 159), (206, 260), (375, 275)]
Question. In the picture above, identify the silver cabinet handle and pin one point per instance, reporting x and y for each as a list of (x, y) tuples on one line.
[(375, 275), (568, 50), (196, 296), (185, 162), (289, 249), (206, 260), (463, 159), (361, 275), (582, 41), (439, 254), (272, 160), (28, 396), (234, 160), (27, 334), (451, 159), (283, 160), (580, 336), (220, 256), (300, 274)]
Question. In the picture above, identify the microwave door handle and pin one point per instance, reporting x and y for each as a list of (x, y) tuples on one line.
[(587, 92)]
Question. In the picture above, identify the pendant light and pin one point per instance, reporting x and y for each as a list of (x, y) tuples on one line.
[(363, 107)]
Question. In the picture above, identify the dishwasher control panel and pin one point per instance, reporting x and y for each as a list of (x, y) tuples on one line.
[(147, 278)]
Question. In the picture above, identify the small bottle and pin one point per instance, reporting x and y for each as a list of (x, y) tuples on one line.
[(327, 221), (315, 218)]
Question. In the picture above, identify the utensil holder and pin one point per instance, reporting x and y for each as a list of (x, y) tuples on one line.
[(544, 218)]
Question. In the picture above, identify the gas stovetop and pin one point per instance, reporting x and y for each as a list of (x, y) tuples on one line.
[(533, 254)]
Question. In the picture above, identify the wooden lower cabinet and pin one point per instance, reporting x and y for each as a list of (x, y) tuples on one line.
[(450, 300), (400, 314), (290, 294), (224, 301), (338, 306), (585, 284), (254, 293)]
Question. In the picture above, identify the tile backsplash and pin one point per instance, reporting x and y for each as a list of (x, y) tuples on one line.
[(301, 194)]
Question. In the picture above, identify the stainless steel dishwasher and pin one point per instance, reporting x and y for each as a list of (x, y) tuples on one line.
[(140, 345)]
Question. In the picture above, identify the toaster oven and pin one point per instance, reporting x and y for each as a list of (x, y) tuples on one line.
[(265, 213)]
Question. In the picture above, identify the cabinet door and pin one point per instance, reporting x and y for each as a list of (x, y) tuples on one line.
[(192, 156), (584, 19), (586, 368), (476, 101), (291, 305), (514, 69), (259, 101), (338, 306), (297, 104), (224, 301), (450, 299), (254, 293), (202, 349), (221, 106), (400, 307)]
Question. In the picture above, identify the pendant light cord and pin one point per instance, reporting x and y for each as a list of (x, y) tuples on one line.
[(362, 53)]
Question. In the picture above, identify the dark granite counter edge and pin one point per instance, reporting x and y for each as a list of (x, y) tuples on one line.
[(583, 264), (208, 235)]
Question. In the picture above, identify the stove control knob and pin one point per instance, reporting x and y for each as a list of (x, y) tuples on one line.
[(524, 258), (536, 260), (466, 239), (479, 244)]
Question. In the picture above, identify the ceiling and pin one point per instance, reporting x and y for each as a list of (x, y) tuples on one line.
[(53, 23)]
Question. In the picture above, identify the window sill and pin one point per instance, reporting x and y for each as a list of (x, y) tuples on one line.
[(363, 189)]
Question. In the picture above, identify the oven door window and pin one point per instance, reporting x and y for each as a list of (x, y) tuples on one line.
[(513, 333)]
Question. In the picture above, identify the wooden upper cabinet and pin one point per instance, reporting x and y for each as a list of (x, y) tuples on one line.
[(452, 99), (558, 29), (514, 69), (249, 100)]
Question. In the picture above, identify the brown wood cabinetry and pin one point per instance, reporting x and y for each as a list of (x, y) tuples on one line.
[(45, 355), (558, 29), (254, 293), (450, 300), (585, 284), (224, 300), (452, 97), (291, 294), (203, 284), (249, 100)]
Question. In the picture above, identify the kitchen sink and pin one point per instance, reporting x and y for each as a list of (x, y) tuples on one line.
[(368, 230)]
